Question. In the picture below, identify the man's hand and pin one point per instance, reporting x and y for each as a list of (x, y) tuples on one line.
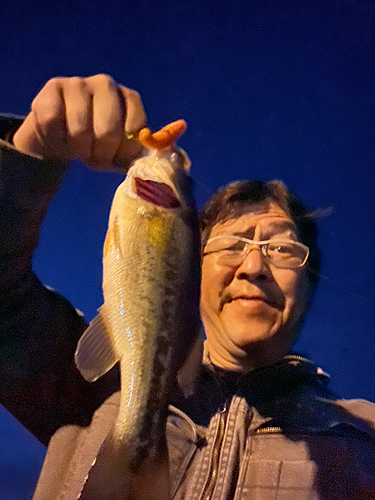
[(89, 119)]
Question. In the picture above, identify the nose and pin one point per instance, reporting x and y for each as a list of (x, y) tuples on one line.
[(254, 266)]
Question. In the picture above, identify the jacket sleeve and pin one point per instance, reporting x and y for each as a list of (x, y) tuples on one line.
[(39, 329)]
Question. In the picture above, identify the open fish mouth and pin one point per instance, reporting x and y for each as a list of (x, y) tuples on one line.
[(157, 193)]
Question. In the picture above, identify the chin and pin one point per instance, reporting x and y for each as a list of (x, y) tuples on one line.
[(251, 326), (246, 339)]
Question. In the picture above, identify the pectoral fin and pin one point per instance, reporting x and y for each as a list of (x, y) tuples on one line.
[(95, 354)]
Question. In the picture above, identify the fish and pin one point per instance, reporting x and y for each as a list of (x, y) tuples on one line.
[(149, 321)]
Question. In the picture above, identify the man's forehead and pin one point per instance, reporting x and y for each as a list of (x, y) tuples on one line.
[(266, 216)]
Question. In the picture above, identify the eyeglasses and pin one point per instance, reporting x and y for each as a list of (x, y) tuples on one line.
[(232, 250)]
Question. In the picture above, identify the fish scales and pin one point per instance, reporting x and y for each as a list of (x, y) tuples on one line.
[(149, 308), (150, 317)]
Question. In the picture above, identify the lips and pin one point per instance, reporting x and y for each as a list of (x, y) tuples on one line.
[(228, 298), (251, 297)]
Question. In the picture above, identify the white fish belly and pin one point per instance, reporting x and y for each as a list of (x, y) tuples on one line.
[(142, 287)]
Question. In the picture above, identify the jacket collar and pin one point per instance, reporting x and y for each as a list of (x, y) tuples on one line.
[(292, 395), (292, 366)]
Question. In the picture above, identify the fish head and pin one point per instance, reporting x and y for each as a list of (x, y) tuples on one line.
[(161, 180), (161, 177), (157, 188)]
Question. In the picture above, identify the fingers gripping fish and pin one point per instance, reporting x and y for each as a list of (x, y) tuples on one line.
[(150, 316)]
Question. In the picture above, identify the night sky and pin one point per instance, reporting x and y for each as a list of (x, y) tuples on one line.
[(269, 89)]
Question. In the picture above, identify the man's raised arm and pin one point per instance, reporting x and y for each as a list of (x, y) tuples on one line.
[(91, 119)]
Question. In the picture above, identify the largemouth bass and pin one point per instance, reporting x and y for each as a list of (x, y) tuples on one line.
[(150, 317)]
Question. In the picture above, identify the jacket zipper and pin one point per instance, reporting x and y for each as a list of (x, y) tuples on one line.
[(215, 458), (296, 356), (211, 482), (269, 430)]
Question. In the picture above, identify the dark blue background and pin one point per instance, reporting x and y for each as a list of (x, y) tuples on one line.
[(270, 89)]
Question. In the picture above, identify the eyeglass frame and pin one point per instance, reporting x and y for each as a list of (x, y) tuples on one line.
[(261, 244)]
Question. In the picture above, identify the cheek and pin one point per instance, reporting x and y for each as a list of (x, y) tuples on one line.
[(205, 283), (288, 282), (214, 281), (296, 294)]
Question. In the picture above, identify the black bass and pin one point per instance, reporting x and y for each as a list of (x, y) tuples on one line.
[(150, 317)]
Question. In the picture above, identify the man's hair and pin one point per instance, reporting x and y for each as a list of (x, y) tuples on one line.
[(236, 199)]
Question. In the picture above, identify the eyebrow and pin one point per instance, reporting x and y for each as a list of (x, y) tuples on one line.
[(273, 226)]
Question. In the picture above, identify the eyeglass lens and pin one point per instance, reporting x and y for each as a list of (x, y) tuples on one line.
[(281, 253)]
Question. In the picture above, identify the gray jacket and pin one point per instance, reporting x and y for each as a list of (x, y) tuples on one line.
[(280, 434), (276, 433)]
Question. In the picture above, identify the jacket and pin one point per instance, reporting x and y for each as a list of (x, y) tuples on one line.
[(276, 433), (280, 435)]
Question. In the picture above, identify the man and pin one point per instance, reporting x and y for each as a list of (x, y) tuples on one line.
[(261, 423)]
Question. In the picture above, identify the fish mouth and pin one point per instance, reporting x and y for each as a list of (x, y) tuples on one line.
[(158, 193)]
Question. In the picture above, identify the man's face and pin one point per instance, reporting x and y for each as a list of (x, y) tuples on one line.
[(251, 312)]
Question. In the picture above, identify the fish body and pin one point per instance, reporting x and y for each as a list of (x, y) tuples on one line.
[(150, 317)]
